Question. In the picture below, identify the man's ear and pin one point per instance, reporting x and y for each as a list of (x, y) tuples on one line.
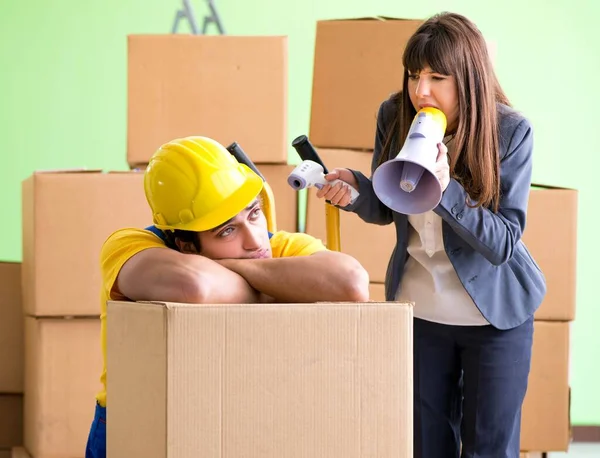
[(186, 247)]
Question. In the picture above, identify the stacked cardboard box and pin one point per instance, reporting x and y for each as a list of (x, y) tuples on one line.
[(66, 218), (546, 423), (229, 88), (11, 358), (357, 66)]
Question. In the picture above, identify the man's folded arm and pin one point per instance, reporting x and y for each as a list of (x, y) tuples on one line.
[(325, 276)]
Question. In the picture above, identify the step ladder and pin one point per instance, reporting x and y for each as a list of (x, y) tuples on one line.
[(187, 12)]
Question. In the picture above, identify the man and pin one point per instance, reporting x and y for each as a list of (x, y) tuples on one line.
[(210, 244)]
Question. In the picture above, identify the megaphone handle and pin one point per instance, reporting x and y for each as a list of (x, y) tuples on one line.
[(332, 223)]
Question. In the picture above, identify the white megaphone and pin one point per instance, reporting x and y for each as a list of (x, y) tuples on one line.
[(407, 184)]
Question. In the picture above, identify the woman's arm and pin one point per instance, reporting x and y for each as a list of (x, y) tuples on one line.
[(495, 235), (368, 207)]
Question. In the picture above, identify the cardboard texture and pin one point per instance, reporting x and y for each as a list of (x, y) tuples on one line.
[(331, 379), (63, 362), (545, 423), (286, 199), (377, 292), (19, 452), (11, 328), (229, 88), (66, 219), (11, 420), (357, 65), (553, 244), (370, 244)]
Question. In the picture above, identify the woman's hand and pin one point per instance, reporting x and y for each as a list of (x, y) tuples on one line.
[(442, 166), (338, 194)]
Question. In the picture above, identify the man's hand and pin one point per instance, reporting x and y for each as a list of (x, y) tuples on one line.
[(326, 276)]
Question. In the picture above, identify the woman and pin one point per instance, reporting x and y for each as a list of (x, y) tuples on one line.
[(474, 284)]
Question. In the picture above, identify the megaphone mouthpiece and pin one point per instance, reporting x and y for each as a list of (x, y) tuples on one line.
[(407, 184)]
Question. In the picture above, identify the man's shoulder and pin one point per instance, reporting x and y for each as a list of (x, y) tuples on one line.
[(128, 238), (286, 244), (135, 233)]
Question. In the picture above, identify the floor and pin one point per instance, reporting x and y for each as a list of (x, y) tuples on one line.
[(579, 450)]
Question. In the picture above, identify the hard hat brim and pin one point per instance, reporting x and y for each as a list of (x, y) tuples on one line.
[(228, 209)]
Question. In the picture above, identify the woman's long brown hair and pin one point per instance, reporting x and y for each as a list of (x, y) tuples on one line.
[(452, 45)]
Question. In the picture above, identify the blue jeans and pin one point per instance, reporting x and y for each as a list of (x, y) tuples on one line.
[(96, 445)]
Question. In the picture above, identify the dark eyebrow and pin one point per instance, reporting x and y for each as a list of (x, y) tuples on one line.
[(253, 204)]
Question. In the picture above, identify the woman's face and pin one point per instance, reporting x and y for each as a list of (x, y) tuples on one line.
[(429, 89)]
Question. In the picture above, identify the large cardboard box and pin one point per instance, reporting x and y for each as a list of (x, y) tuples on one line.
[(357, 65), (286, 198), (370, 244), (63, 363), (11, 420), (293, 380), (546, 410), (553, 244), (67, 216), (11, 328), (229, 88)]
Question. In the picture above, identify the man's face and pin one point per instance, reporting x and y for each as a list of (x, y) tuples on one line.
[(245, 236)]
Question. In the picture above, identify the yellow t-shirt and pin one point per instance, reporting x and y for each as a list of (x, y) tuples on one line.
[(125, 243)]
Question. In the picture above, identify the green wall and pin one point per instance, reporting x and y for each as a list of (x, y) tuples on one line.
[(63, 100)]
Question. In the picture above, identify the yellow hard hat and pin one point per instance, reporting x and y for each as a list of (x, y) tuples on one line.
[(195, 184)]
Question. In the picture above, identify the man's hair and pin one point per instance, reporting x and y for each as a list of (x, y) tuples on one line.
[(183, 236), (452, 45)]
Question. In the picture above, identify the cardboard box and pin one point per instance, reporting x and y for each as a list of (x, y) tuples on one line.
[(229, 88), (377, 292), (66, 219), (357, 65), (370, 244), (293, 380), (11, 420), (11, 328), (545, 423), (553, 244), (286, 198), (63, 363)]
